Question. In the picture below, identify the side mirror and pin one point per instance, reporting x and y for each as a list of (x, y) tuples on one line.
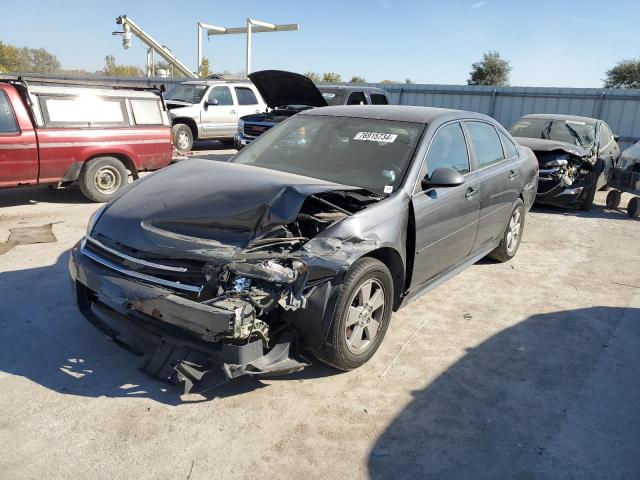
[(208, 103), (616, 138), (443, 177)]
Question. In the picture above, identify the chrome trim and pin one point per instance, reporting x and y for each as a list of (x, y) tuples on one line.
[(135, 260), (139, 276)]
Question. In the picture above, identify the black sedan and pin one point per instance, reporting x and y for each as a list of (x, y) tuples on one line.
[(576, 155), (310, 237)]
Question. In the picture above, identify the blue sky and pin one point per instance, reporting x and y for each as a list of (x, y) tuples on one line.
[(567, 43)]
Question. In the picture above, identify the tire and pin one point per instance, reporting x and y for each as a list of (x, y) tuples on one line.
[(182, 137), (102, 177), (343, 350), (613, 199), (633, 208), (587, 203), (228, 142), (507, 249)]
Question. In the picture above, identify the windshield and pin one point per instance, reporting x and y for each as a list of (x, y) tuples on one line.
[(333, 97), (366, 153), (568, 131), (186, 93)]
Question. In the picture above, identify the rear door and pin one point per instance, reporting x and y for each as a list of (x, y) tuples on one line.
[(498, 180), (18, 143), (219, 113), (247, 101), (445, 218)]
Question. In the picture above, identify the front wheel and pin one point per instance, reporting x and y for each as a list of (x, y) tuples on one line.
[(182, 137), (512, 235), (361, 317)]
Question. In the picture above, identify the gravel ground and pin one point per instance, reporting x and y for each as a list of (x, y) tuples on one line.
[(521, 370)]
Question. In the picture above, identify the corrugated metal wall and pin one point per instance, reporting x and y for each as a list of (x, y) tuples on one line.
[(619, 108)]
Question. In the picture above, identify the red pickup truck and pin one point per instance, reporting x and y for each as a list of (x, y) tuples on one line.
[(56, 133)]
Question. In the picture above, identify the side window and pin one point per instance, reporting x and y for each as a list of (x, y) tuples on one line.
[(357, 98), (8, 122), (83, 110), (246, 96), (509, 147), (221, 94), (146, 112), (378, 99), (486, 143), (448, 149), (605, 134)]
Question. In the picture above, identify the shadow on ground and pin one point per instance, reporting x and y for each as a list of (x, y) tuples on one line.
[(598, 211), (555, 396), (43, 338), (11, 197)]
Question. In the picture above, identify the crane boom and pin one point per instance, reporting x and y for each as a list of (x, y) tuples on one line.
[(153, 44)]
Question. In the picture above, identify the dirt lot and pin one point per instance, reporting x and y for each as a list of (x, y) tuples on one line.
[(522, 370)]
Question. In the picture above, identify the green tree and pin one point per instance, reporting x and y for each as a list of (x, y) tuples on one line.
[(204, 68), (626, 74), (408, 80), (492, 70), (388, 82), (9, 57), (27, 60), (313, 76), (330, 77), (356, 79), (111, 68)]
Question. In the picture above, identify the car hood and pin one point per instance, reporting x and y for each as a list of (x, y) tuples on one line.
[(541, 145), (280, 88), (199, 208), (171, 104)]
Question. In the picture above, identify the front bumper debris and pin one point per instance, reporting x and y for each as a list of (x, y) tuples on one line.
[(180, 340)]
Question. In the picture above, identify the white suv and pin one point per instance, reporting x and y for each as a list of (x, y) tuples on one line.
[(210, 109)]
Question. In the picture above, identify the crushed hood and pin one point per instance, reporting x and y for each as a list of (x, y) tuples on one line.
[(199, 207), (541, 145), (279, 88)]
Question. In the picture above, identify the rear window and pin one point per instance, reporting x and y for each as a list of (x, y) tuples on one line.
[(7, 118), (146, 112), (83, 111), (378, 99), (357, 98)]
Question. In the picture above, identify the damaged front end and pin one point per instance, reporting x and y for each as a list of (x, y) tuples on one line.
[(214, 311), (565, 178)]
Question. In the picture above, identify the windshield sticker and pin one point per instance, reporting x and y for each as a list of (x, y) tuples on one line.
[(388, 188), (575, 122), (376, 137)]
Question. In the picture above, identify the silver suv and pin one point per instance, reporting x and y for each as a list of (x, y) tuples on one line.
[(210, 109)]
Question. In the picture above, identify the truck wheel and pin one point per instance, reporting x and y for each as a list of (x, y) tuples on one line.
[(361, 317), (102, 177), (633, 208), (512, 235), (613, 199), (182, 137)]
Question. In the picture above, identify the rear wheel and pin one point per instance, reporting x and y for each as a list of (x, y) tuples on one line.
[(510, 242), (182, 137), (613, 199), (633, 208), (102, 177), (362, 315)]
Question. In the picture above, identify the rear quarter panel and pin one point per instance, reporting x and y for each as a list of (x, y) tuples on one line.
[(148, 148)]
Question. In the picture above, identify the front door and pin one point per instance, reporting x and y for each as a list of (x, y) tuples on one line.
[(446, 217), (219, 114), (18, 143)]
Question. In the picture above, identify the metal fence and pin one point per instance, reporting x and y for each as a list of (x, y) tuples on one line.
[(619, 108)]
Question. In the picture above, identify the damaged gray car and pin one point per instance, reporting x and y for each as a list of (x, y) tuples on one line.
[(305, 241)]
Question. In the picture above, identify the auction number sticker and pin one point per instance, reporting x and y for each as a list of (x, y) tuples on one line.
[(376, 137)]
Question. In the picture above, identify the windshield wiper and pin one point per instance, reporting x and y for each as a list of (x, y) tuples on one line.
[(574, 134)]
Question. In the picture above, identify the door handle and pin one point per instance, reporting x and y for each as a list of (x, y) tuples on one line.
[(513, 174), (232, 111), (471, 192)]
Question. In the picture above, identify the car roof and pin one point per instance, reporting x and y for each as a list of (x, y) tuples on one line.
[(401, 113), (556, 116), (351, 87)]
